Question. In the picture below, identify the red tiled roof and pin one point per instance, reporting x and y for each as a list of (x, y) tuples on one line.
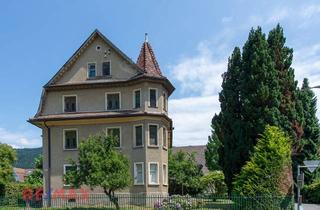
[(147, 60)]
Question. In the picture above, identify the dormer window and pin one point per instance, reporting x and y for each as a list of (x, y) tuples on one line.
[(106, 68), (70, 103), (91, 70)]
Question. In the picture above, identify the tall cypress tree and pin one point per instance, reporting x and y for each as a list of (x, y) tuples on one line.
[(227, 125), (282, 56), (260, 91)]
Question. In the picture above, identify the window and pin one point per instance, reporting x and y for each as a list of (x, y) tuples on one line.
[(139, 173), (153, 98), (165, 102), (69, 103), (106, 68), (153, 135), (153, 173), (66, 169), (116, 133), (113, 101), (164, 136), (138, 135), (91, 70), (136, 99), (165, 174), (70, 139)]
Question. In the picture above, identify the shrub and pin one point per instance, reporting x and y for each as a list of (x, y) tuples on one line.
[(268, 172), (213, 183), (311, 193), (176, 202)]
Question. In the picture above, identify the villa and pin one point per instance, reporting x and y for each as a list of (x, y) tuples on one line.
[(100, 89)]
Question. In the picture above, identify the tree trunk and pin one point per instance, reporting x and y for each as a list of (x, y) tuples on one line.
[(112, 198)]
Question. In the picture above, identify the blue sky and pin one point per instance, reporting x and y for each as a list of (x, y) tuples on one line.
[(192, 41)]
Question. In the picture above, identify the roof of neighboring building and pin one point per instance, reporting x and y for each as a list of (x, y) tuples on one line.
[(147, 60), (20, 173), (199, 154)]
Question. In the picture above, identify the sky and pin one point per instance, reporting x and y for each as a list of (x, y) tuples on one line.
[(192, 41)]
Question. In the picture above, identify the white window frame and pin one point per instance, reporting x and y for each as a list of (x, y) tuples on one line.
[(64, 172), (165, 101), (95, 63), (134, 98), (135, 172), (134, 136), (106, 101), (63, 102), (164, 131), (102, 68), (116, 127), (165, 175), (157, 101), (64, 138), (149, 145), (149, 175)]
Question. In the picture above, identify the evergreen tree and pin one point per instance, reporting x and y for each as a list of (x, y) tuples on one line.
[(260, 91), (211, 152), (311, 129), (227, 125), (282, 56)]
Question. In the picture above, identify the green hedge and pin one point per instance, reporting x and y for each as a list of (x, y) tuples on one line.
[(311, 193)]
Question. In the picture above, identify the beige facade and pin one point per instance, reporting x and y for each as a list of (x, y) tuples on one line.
[(92, 115)]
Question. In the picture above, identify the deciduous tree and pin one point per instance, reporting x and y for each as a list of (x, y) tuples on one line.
[(100, 164)]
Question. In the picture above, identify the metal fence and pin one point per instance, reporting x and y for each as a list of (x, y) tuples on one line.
[(135, 202)]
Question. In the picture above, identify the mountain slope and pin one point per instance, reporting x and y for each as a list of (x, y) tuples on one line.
[(26, 157)]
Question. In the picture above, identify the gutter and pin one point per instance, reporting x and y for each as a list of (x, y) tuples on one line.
[(49, 164)]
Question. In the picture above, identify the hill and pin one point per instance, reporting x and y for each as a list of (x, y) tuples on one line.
[(26, 157)]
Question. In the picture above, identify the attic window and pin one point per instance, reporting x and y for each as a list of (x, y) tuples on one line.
[(106, 68), (91, 70), (98, 47)]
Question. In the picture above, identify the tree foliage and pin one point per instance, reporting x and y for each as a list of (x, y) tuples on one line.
[(310, 144), (184, 174), (36, 176), (100, 164), (259, 89), (213, 183), (263, 173), (7, 159), (211, 152)]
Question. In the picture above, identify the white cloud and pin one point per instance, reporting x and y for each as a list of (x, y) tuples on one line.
[(19, 140), (192, 119), (309, 11), (200, 74)]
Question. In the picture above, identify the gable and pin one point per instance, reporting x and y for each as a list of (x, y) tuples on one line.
[(76, 69)]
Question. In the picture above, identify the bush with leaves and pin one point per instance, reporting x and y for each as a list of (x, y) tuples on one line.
[(36, 176), (311, 192), (213, 183), (176, 202), (269, 164), (100, 164), (184, 174)]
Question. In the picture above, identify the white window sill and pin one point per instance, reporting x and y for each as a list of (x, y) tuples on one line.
[(138, 184), (70, 149), (154, 184), (153, 146)]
